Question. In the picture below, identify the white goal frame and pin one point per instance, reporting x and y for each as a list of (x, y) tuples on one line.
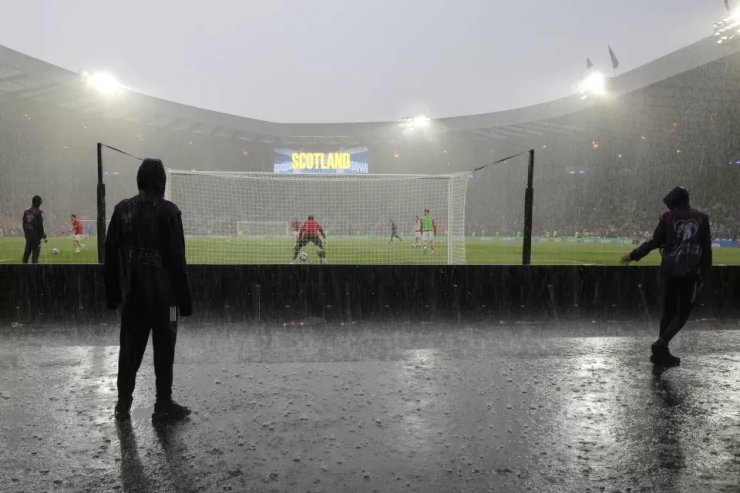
[(447, 193)]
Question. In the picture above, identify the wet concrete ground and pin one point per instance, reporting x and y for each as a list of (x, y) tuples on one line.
[(514, 407)]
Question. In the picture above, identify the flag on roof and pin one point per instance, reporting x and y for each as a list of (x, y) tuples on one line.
[(615, 61)]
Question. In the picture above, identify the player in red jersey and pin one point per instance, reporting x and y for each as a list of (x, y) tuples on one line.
[(310, 232), (77, 232)]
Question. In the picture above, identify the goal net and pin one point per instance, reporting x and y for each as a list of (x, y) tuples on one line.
[(252, 218), (90, 227), (263, 228)]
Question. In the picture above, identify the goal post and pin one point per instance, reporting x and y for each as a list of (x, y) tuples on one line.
[(249, 217)]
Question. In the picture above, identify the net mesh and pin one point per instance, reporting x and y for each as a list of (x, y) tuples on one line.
[(90, 227), (253, 218), (263, 228)]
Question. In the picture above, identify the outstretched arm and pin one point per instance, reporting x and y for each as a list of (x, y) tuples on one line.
[(657, 241)]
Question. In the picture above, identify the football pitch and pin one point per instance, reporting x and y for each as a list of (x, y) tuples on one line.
[(354, 251)]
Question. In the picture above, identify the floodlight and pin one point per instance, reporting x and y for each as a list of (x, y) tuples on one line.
[(103, 82), (421, 121), (415, 122), (593, 85), (727, 28)]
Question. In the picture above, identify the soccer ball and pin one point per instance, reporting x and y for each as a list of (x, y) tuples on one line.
[(303, 256), (54, 251)]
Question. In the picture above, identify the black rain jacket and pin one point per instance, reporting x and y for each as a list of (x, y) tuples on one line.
[(33, 224), (683, 237), (145, 248)]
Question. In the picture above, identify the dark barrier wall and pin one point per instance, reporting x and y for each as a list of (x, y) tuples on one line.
[(281, 293)]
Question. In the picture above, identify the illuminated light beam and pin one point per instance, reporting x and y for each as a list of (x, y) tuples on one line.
[(593, 85), (727, 28), (416, 122), (103, 82)]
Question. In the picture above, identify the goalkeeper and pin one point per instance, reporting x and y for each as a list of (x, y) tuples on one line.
[(309, 233)]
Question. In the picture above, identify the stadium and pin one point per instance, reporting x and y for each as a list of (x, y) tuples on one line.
[(598, 160), (603, 158), (419, 304)]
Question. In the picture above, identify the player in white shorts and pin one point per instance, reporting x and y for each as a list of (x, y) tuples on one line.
[(417, 232)]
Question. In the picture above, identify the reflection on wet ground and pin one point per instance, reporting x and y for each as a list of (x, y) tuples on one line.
[(378, 408)]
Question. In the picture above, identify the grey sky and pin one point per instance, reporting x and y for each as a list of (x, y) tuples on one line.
[(352, 60)]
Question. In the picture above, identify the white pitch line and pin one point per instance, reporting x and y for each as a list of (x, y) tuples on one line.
[(5, 259)]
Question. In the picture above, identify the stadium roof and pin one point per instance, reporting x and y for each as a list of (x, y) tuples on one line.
[(25, 78)]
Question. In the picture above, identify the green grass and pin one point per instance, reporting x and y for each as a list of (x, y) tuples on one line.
[(361, 251)]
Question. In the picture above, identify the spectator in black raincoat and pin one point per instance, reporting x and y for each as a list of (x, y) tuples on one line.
[(684, 239), (33, 229), (144, 271)]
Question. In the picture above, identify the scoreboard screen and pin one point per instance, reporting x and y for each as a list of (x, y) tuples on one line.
[(342, 161)]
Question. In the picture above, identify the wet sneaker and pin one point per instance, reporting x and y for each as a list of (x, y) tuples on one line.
[(122, 411), (169, 411), (672, 360), (661, 356), (665, 361)]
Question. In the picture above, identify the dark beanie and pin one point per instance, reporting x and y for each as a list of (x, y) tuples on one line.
[(151, 176), (36, 201)]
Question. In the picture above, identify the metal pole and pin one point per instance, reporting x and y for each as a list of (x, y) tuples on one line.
[(528, 201), (101, 206), (257, 302)]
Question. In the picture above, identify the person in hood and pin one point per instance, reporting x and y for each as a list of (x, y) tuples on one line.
[(33, 229), (144, 271), (684, 239)]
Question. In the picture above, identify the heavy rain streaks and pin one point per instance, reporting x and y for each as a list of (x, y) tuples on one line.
[(402, 257), (379, 407)]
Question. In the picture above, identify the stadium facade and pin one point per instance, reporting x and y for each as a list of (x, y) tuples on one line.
[(602, 163)]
